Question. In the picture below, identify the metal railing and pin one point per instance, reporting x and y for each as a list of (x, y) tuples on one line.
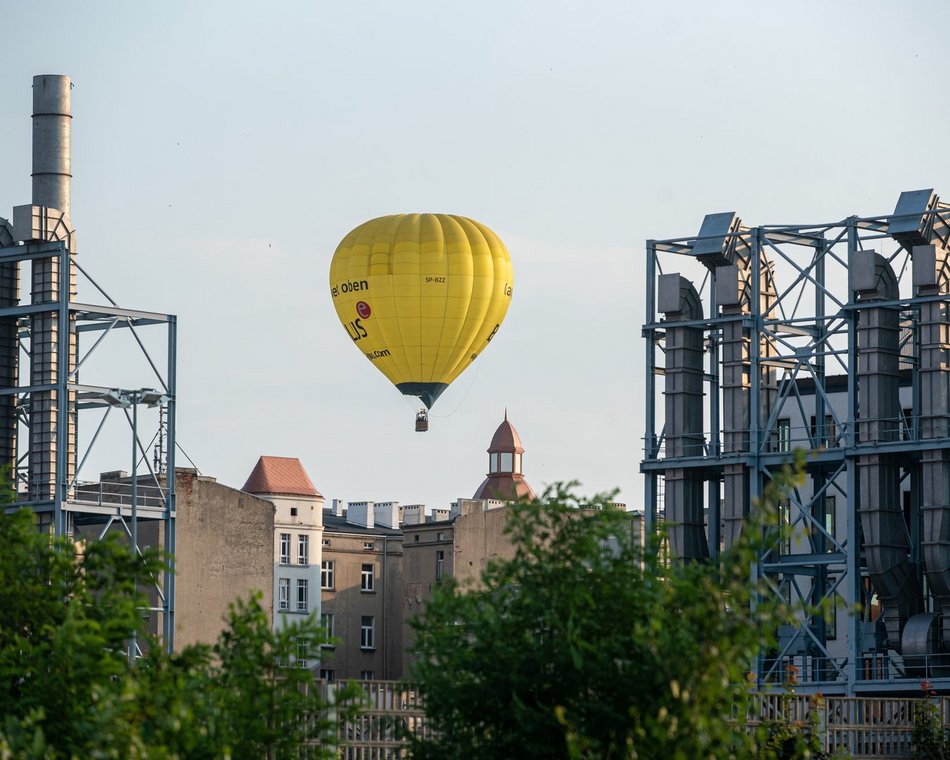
[(856, 727), (108, 493)]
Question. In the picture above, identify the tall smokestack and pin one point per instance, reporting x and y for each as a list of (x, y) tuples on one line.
[(52, 131), (49, 219)]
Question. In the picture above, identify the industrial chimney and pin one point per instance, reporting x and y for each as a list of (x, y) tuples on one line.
[(47, 220)]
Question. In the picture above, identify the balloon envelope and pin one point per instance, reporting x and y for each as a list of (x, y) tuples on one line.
[(421, 295)]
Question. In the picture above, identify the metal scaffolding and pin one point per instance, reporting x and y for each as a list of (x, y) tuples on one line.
[(62, 500), (833, 338)]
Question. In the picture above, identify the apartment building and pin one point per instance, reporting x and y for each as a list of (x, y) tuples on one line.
[(296, 538), (361, 586)]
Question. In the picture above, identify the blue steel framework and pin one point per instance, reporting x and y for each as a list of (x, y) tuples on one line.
[(84, 507), (810, 335)]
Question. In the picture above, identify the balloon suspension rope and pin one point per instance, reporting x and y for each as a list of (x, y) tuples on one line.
[(414, 402), (478, 366)]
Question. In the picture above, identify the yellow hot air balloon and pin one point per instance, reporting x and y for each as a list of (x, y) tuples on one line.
[(421, 295)]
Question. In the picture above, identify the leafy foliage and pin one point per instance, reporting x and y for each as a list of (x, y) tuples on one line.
[(930, 741), (585, 644), (67, 688)]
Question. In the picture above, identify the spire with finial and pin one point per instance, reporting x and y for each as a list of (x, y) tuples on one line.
[(505, 479)]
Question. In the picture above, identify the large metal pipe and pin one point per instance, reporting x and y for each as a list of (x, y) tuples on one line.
[(679, 302), (932, 277), (886, 543), (734, 293), (52, 116)]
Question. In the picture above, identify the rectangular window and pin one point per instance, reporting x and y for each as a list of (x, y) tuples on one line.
[(326, 574), (303, 604), (369, 545), (283, 594), (326, 542), (303, 654), (367, 675), (326, 620), (367, 579), (439, 565), (831, 624), (326, 675), (285, 548), (303, 549), (823, 435), (783, 431), (367, 637), (784, 524), (293, 511), (830, 521)]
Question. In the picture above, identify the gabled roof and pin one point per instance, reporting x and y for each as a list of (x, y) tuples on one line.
[(283, 476)]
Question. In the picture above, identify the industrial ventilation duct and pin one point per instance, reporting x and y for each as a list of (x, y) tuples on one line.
[(886, 545), (679, 301)]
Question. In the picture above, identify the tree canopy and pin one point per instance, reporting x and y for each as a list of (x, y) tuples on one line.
[(587, 644), (68, 690)]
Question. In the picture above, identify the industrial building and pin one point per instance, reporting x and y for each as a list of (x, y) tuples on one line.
[(47, 338), (832, 338)]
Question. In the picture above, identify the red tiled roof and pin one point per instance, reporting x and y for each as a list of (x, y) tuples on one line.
[(280, 475)]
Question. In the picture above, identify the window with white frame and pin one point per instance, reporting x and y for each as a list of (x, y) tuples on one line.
[(303, 654), (367, 632), (283, 594), (303, 549), (326, 574), (285, 548), (303, 602), (830, 507), (367, 578), (369, 545), (783, 434), (326, 674), (327, 622)]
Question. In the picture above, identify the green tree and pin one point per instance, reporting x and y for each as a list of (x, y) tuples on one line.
[(68, 690), (585, 645)]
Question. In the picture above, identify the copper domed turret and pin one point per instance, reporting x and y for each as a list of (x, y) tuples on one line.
[(505, 479)]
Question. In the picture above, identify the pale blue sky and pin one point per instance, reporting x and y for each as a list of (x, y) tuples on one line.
[(222, 149)]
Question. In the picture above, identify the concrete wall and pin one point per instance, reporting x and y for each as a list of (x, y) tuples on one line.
[(224, 551), (468, 543)]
